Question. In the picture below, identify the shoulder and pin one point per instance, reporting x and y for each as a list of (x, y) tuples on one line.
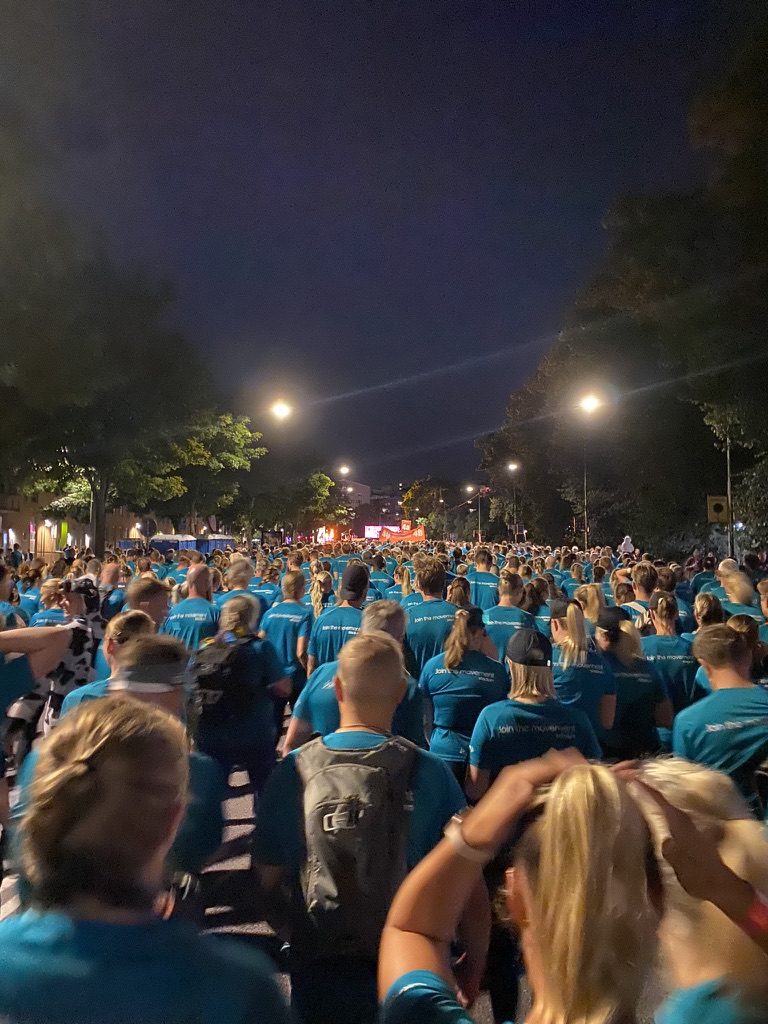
[(421, 997), (709, 1003)]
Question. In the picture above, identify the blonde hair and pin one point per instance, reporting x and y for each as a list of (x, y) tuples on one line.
[(316, 591), (586, 862), (531, 682), (239, 574), (294, 585), (697, 925), (720, 646), (592, 600), (403, 577), (240, 614), (739, 588), (707, 609), (109, 781), (385, 617), (466, 621), (127, 626), (459, 592), (371, 668), (574, 646), (666, 607), (627, 646)]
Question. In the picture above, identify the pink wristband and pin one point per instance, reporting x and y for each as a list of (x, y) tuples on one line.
[(755, 921)]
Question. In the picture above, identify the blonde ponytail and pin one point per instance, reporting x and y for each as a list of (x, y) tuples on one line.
[(403, 575), (316, 591), (628, 647), (574, 647), (457, 644), (586, 861)]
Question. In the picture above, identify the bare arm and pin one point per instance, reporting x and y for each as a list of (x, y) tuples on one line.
[(298, 733), (30, 639), (477, 782), (607, 710), (311, 665), (301, 650)]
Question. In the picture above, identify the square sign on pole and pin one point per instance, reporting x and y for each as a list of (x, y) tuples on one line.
[(717, 509)]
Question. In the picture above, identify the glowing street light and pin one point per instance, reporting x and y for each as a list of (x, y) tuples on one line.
[(344, 470), (513, 467), (590, 404), (350, 490), (470, 488), (281, 410)]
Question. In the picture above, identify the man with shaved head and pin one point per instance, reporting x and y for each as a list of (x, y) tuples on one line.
[(196, 618)]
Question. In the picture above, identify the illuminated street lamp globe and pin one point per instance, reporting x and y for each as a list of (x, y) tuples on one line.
[(513, 467), (590, 404), (344, 470), (281, 410)]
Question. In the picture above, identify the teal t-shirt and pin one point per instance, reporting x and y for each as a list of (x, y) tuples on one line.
[(672, 658), (484, 590), (410, 600), (192, 621), (420, 997), (285, 624), (317, 706), (279, 835), (16, 679), (511, 731), (429, 623), (202, 827), (11, 615), (743, 609), (91, 691), (584, 686), (727, 731), (501, 623), (47, 617), (331, 631), (712, 1002), (30, 601), (60, 970), (458, 696), (266, 594), (382, 581)]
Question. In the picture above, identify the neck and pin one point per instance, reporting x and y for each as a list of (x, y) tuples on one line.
[(197, 594), (730, 679), (368, 719), (506, 602), (665, 628), (432, 597)]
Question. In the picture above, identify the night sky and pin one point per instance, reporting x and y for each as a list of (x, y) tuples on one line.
[(349, 193)]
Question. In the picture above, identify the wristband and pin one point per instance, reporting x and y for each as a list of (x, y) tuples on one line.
[(755, 921), (453, 834)]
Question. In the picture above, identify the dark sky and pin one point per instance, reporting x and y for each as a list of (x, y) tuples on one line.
[(350, 192)]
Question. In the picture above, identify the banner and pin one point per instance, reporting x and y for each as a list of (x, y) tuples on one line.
[(387, 536)]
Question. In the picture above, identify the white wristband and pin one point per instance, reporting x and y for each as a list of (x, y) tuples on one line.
[(453, 834)]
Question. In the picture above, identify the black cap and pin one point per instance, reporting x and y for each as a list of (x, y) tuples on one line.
[(610, 619), (354, 580), (559, 608), (529, 647)]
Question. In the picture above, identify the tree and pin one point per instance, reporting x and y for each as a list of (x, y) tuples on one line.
[(295, 504)]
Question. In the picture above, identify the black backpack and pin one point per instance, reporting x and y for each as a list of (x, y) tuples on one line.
[(356, 806), (221, 672)]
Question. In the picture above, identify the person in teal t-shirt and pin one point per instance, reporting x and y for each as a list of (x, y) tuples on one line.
[(484, 585), (288, 626), (430, 620), (671, 655), (530, 722), (96, 951), (728, 729), (196, 618), (339, 989), (458, 684), (338, 625), (317, 710), (505, 618), (582, 677)]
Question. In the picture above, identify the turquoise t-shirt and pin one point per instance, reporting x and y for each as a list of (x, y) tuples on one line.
[(429, 623), (727, 731), (410, 600), (331, 631), (700, 579), (279, 835), (712, 1002), (511, 731), (672, 658), (201, 830), (30, 601), (91, 691), (543, 620), (112, 605), (16, 679), (329, 601), (223, 596), (501, 623), (382, 581), (458, 696), (317, 706), (583, 686), (11, 614), (192, 621), (266, 594), (484, 590), (285, 624), (730, 608), (395, 593), (62, 970), (569, 586), (47, 617), (420, 997)]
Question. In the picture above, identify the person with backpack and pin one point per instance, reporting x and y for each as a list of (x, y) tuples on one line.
[(341, 857), (237, 676)]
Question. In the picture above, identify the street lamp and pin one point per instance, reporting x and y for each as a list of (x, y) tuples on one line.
[(589, 405), (281, 410), (344, 470), (513, 468), (470, 489)]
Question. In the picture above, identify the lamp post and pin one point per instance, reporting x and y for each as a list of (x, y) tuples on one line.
[(589, 405), (470, 490), (513, 467)]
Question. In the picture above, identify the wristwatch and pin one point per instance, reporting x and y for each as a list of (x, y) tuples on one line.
[(455, 837)]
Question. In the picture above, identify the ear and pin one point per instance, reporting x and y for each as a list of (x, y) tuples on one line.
[(338, 690), (515, 898)]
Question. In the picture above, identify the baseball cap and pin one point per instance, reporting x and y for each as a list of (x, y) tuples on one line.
[(610, 619), (529, 647), (559, 608), (354, 580)]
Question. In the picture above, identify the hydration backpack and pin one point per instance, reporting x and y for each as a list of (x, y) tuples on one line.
[(221, 671), (356, 805)]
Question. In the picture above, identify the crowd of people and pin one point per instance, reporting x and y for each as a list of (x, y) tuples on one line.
[(469, 765)]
